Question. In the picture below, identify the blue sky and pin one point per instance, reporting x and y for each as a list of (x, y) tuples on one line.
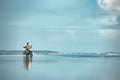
[(60, 25)]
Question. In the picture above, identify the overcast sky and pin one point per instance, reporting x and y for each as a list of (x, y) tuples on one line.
[(60, 25)]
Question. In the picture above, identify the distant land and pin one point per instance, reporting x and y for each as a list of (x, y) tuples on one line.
[(48, 52), (18, 52)]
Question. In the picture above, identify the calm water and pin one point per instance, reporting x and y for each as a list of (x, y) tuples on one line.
[(52, 67)]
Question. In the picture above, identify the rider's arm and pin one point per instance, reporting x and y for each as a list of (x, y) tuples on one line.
[(24, 46)]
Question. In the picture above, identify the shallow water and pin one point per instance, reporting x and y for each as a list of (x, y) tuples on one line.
[(53, 67)]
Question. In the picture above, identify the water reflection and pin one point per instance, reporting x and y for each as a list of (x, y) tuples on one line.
[(27, 62)]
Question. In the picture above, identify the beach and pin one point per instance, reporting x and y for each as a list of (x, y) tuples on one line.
[(55, 67)]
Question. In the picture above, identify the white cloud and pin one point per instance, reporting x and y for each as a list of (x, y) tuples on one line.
[(106, 32), (15, 23), (72, 34), (65, 35), (110, 34), (110, 5), (70, 31), (104, 20), (56, 38)]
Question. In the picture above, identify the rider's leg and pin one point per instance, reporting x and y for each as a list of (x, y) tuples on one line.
[(31, 53)]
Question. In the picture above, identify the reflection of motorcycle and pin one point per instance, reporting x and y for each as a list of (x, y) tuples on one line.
[(27, 62), (27, 53)]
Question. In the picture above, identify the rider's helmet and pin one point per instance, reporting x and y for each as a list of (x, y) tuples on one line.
[(27, 43)]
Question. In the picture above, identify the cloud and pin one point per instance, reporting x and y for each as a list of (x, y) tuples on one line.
[(110, 5), (110, 34), (63, 35), (104, 20), (15, 23), (56, 38), (70, 31), (112, 8)]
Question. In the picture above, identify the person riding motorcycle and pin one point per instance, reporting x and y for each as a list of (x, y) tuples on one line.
[(27, 47)]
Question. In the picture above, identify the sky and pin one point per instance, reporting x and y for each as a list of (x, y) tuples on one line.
[(60, 25)]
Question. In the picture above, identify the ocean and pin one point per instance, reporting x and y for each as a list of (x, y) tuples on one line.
[(56, 67)]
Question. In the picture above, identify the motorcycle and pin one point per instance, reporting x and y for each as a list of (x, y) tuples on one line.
[(27, 53)]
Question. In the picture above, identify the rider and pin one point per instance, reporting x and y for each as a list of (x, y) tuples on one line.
[(28, 47)]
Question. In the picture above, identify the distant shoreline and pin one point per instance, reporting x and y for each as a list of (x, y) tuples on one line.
[(55, 53)]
